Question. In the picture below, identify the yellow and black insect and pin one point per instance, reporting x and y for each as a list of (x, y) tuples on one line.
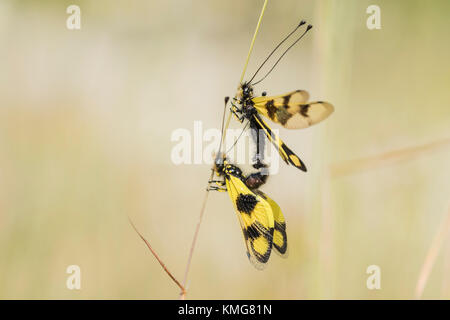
[(292, 110), (260, 217)]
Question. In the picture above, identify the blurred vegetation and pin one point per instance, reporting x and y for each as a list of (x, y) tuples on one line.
[(85, 123)]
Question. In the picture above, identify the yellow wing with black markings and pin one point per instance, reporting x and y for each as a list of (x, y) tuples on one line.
[(292, 110), (279, 233), (256, 219), (285, 153)]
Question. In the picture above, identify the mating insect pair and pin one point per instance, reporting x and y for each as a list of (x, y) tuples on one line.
[(261, 219)]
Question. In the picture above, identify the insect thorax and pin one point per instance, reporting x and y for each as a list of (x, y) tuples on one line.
[(245, 96), (232, 170)]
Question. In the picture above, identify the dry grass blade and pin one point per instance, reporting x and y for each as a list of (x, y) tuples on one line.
[(183, 291), (194, 240), (443, 232), (358, 165)]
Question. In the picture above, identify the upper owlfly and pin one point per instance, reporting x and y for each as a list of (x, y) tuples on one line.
[(292, 110)]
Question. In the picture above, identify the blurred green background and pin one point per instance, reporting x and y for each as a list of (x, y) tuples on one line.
[(85, 123)]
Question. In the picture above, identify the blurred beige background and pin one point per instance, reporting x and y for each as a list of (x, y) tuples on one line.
[(85, 123)]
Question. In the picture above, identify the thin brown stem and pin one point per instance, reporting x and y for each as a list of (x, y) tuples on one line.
[(194, 240), (183, 291), (432, 254), (363, 164)]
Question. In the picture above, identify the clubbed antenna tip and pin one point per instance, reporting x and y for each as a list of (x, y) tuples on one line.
[(309, 27), (301, 23)]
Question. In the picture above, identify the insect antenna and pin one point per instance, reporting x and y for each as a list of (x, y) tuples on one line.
[(273, 51), (240, 135), (307, 29)]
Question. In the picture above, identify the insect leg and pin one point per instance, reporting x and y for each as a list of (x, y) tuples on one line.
[(237, 112), (219, 185), (214, 188), (218, 182)]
